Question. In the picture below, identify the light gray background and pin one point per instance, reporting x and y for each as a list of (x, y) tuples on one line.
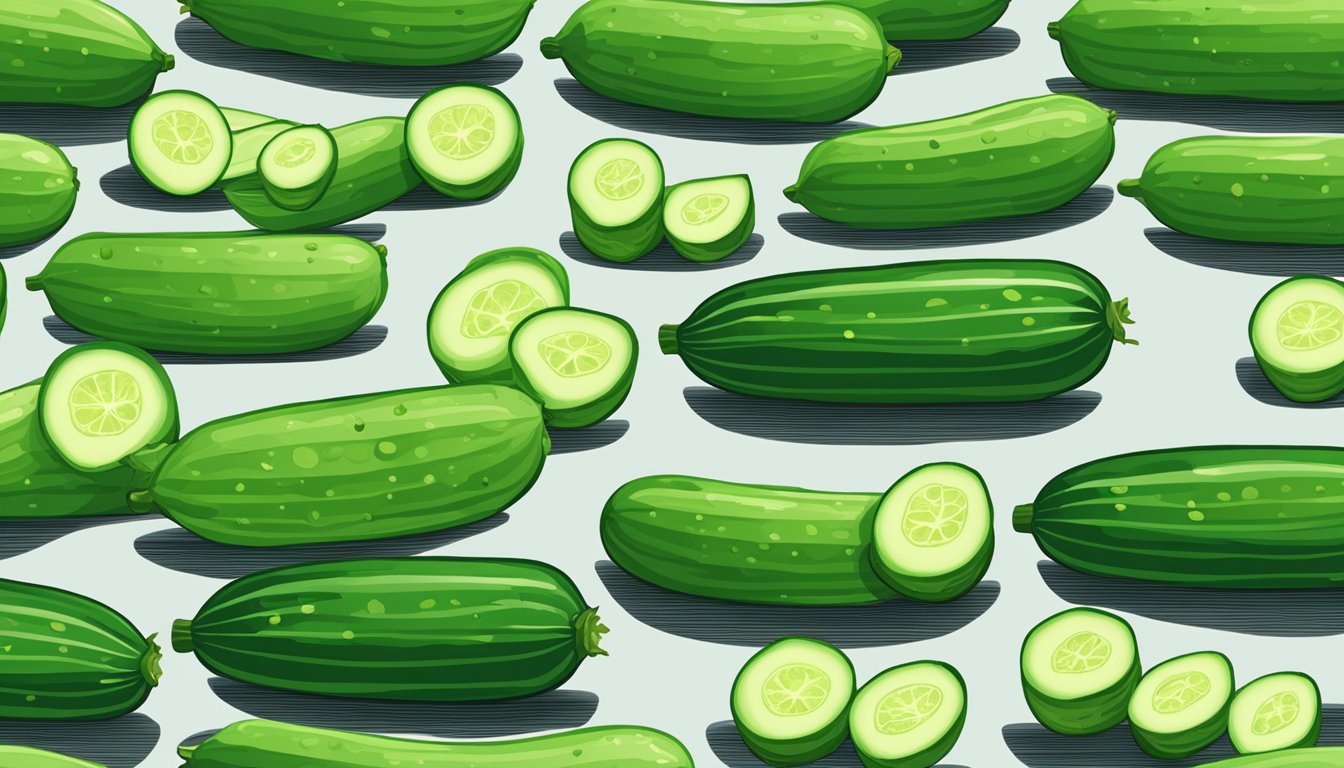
[(1180, 387)]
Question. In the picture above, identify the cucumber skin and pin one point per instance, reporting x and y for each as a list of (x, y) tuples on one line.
[(619, 244), (1156, 539), (1309, 757), (1313, 387), (707, 253), (513, 628), (216, 292), (406, 33), (1188, 186), (922, 20), (490, 184), (119, 67), (1174, 746), (1308, 740), (253, 489), (943, 172), (591, 413), (36, 197), (807, 62), (1087, 715), (1277, 50), (27, 757)]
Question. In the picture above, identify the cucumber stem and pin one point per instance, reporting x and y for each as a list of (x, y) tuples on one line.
[(550, 48), (33, 283), (185, 751), (149, 663), (1022, 515), (893, 57), (588, 632), (667, 339), (1117, 317), (791, 193), (181, 636), (168, 63), (1112, 116), (1130, 188), (382, 252), (1052, 29)]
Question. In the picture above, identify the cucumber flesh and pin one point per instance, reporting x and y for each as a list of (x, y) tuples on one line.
[(465, 140), (908, 716), (180, 142), (577, 363), (1297, 332), (709, 219), (1274, 712), (241, 119), (616, 199), (296, 166), (1079, 670), (1181, 705), (247, 146), (791, 699)]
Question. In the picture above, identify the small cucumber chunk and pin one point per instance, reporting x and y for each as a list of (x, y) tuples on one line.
[(102, 402), (577, 363), (709, 219), (247, 146), (465, 140), (616, 199), (1274, 712), (908, 716), (471, 320), (242, 119), (791, 699), (180, 142), (1297, 332), (296, 166), (1079, 670), (1181, 705)]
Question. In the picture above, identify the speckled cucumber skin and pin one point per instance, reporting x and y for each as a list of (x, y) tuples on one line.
[(931, 19), (27, 757), (37, 190)]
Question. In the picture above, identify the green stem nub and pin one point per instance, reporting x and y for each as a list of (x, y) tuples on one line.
[(893, 57), (1130, 188), (667, 339), (185, 751), (550, 48), (382, 251), (33, 283), (1052, 29), (1117, 317), (181, 636), (791, 193), (1022, 515), (168, 62), (149, 663), (588, 632)]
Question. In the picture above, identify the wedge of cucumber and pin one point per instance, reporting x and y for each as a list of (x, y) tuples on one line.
[(247, 146), (1274, 712), (616, 199), (180, 142), (791, 699), (577, 363), (297, 165), (465, 140), (909, 716), (709, 219), (1181, 705), (1079, 669), (1297, 332)]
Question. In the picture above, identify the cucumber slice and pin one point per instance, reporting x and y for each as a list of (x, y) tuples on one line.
[(577, 363), (616, 199), (297, 165), (1279, 711), (247, 146), (791, 699), (709, 219), (908, 716), (241, 119), (1297, 332), (471, 320), (102, 402), (180, 142), (1181, 705), (465, 140), (1079, 670)]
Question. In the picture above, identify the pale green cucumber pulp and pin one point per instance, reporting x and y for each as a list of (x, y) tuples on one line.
[(1079, 670), (180, 142), (465, 140), (709, 219), (1297, 333), (1274, 712), (247, 146), (1181, 705), (616, 199), (577, 363), (791, 699), (908, 716), (296, 166)]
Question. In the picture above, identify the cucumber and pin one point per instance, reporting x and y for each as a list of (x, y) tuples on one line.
[(296, 166), (1277, 50), (616, 199), (411, 629), (791, 700), (1275, 712), (709, 219), (409, 33), (1317, 757), (805, 62), (1296, 332), (351, 468), (909, 716), (37, 191), (180, 142), (922, 20), (1014, 159), (266, 744), (1266, 189), (470, 322), (1181, 705), (921, 332), (372, 170), (1079, 669), (1160, 515), (248, 144), (579, 364), (70, 657), (241, 119), (80, 52), (465, 140), (27, 757)]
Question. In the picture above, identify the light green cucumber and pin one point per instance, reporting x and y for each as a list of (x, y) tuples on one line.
[(909, 716), (27, 757), (579, 364), (1079, 670), (791, 700), (296, 166), (1297, 332), (1275, 712), (37, 191), (465, 140), (616, 199), (708, 219), (180, 142), (242, 119), (1181, 705), (247, 146)]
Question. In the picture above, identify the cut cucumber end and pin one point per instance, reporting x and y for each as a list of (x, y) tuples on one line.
[(1052, 29), (667, 338), (908, 716), (1275, 712), (577, 363), (1022, 517), (296, 166), (790, 701), (180, 142), (150, 664), (1181, 705), (248, 144), (708, 219), (1117, 317), (466, 141), (588, 632), (1130, 188), (550, 48), (1297, 334), (1079, 670), (180, 637), (616, 199)]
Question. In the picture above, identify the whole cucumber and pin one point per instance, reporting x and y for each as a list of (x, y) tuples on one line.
[(37, 189)]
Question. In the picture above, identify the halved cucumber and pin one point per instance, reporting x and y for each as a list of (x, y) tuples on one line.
[(709, 219), (1181, 705), (1279, 711), (616, 199), (1297, 332), (297, 165), (908, 716), (242, 119), (471, 320), (791, 699), (247, 146), (1079, 670), (102, 402), (465, 140), (180, 142), (577, 363)]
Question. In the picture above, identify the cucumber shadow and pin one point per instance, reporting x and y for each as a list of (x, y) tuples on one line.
[(1253, 381), (203, 43), (123, 742), (728, 746), (10, 251), (664, 258), (22, 535), (799, 421), (587, 439), (1249, 258), (846, 626), (1085, 207), (1264, 612), (925, 55), (125, 185), (68, 126)]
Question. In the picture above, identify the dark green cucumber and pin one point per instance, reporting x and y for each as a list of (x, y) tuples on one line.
[(27, 757), (413, 629), (923, 332), (809, 62), (937, 20), (37, 189), (216, 292), (67, 657), (1277, 50), (1217, 516)]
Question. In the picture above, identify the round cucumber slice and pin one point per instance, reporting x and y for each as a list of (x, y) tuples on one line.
[(908, 716), (102, 402), (465, 140), (1181, 705), (1274, 712), (616, 199), (577, 363), (1297, 332), (296, 166), (791, 699), (247, 146), (473, 317), (709, 219), (180, 142), (1079, 670)]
